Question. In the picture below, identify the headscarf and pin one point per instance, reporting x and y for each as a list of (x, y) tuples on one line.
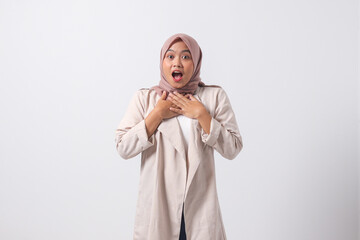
[(196, 55)]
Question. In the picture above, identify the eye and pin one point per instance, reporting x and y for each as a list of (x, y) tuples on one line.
[(186, 57), (170, 56)]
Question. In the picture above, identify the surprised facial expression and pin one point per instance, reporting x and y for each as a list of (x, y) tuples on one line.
[(178, 65)]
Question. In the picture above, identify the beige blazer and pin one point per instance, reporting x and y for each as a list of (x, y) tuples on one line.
[(164, 182)]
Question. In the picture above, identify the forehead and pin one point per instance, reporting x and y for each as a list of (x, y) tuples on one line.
[(178, 44)]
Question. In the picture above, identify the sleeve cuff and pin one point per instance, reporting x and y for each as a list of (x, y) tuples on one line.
[(142, 135), (210, 139)]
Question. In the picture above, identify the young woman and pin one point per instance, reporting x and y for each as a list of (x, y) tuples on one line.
[(176, 126)]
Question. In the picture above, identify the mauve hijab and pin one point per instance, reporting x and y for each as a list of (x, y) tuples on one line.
[(196, 55)]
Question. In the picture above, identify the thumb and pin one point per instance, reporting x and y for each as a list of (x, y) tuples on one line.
[(163, 96)]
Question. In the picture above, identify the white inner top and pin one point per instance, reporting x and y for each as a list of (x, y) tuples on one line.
[(185, 127)]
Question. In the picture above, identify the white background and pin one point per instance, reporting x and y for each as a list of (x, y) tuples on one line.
[(69, 68)]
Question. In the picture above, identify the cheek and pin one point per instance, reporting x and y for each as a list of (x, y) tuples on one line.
[(190, 68), (166, 67)]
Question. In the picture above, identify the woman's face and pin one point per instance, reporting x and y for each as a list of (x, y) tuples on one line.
[(178, 65)]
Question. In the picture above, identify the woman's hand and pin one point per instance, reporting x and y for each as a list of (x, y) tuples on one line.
[(187, 105), (163, 107)]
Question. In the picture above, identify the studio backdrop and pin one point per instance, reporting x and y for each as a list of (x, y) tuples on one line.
[(68, 70)]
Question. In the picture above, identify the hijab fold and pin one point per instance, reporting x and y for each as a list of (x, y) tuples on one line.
[(196, 54)]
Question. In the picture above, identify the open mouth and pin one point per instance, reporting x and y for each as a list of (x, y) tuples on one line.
[(177, 76)]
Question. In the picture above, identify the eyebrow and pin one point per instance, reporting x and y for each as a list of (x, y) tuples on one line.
[(181, 51)]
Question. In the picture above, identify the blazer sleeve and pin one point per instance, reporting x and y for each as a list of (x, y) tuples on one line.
[(224, 134), (130, 136)]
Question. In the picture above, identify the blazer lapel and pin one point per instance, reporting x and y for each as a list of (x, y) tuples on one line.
[(195, 150), (171, 130)]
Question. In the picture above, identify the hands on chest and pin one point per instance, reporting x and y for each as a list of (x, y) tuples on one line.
[(186, 105)]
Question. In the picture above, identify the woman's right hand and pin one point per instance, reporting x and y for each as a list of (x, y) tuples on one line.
[(163, 107), (160, 112)]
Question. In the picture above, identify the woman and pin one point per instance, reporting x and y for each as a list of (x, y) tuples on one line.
[(176, 126)]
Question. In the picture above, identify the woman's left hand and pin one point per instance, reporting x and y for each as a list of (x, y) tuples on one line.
[(191, 108)]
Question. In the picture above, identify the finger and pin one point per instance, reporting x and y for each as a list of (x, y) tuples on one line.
[(192, 98), (174, 106), (163, 96), (177, 110), (175, 100), (188, 96), (180, 98)]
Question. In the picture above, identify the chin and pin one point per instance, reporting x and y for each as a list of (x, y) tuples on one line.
[(177, 84), (174, 85)]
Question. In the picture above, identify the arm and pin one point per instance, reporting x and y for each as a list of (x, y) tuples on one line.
[(152, 121), (131, 135), (224, 134)]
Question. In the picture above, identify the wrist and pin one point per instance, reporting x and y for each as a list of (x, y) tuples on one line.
[(205, 121), (157, 113), (204, 115)]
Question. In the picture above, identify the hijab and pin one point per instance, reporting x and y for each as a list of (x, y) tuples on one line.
[(196, 55)]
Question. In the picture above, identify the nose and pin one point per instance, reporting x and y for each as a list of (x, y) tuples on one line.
[(177, 62)]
